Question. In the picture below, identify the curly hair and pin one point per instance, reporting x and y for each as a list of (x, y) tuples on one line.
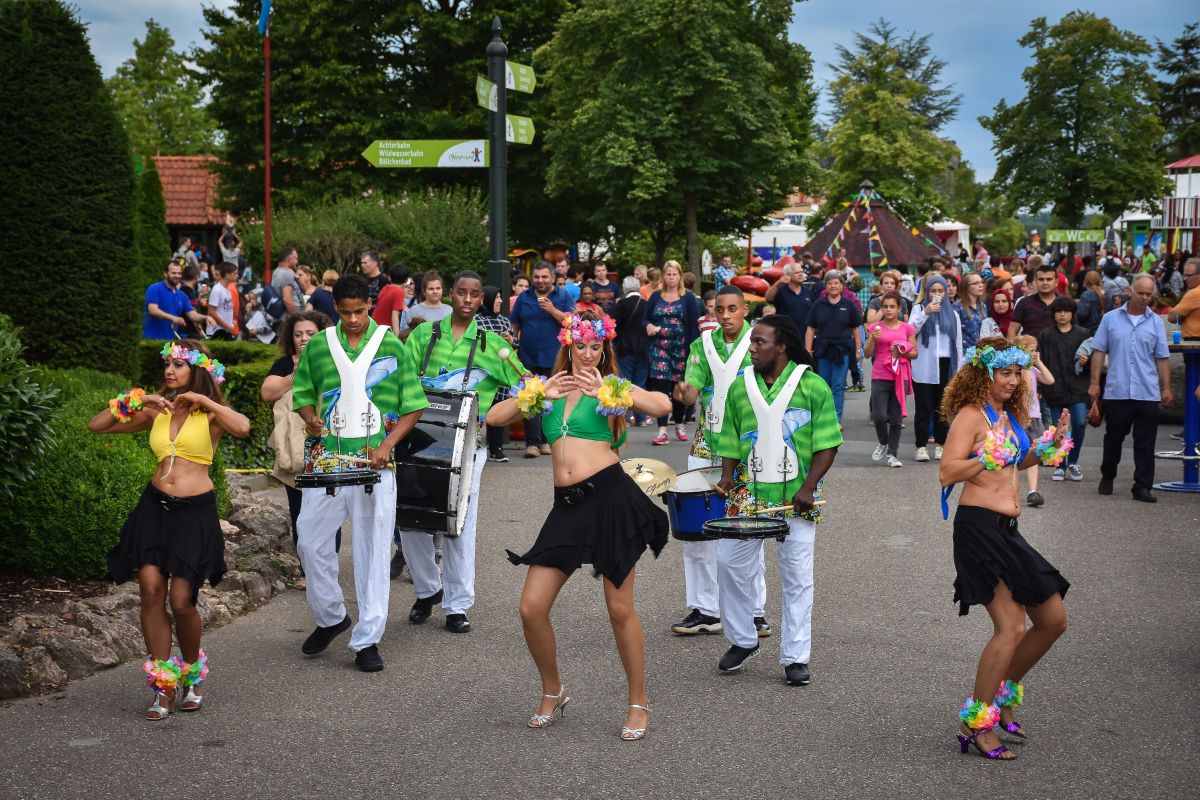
[(970, 385)]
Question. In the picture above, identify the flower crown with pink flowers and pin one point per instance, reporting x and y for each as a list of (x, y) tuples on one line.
[(173, 352), (577, 329)]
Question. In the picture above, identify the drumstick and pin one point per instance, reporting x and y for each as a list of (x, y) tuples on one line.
[(788, 507), (353, 459), (507, 355)]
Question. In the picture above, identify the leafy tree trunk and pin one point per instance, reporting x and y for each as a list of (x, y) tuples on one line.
[(693, 234)]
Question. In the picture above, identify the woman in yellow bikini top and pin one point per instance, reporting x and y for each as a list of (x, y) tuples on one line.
[(172, 540)]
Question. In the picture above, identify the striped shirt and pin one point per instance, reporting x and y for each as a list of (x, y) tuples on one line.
[(396, 394), (448, 361)]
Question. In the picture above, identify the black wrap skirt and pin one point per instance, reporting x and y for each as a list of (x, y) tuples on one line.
[(988, 548), (606, 521), (179, 535)]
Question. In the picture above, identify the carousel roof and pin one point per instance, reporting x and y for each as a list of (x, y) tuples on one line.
[(870, 234)]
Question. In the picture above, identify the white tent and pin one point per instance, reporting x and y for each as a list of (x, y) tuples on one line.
[(960, 234), (773, 241)]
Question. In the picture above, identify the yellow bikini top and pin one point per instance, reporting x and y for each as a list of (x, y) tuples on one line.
[(194, 442)]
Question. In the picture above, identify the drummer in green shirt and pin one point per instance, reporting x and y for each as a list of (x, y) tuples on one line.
[(456, 356), (714, 364), (779, 437)]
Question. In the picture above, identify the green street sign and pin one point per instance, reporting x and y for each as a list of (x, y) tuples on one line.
[(518, 129), (485, 93), (406, 153), (1077, 235), (519, 77)]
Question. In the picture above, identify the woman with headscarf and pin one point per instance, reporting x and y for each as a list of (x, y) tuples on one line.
[(489, 318), (1001, 306), (939, 354)]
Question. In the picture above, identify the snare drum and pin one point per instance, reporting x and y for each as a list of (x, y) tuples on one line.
[(691, 501), (746, 528), (434, 465), (332, 481)]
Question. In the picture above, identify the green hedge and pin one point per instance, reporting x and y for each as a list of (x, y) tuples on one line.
[(25, 409), (65, 520), (149, 372)]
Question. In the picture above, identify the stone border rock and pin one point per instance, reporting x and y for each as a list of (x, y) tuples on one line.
[(42, 652)]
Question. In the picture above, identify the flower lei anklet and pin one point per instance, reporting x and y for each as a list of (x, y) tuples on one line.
[(613, 398), (1048, 452), (191, 674), (162, 674), (531, 396), (127, 404), (978, 715), (1010, 694)]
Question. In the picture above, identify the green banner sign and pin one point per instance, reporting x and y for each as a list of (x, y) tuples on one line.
[(1076, 235), (407, 153), (519, 77), (485, 93), (519, 129)]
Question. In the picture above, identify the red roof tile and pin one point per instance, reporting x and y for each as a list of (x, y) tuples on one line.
[(1184, 163), (190, 190)]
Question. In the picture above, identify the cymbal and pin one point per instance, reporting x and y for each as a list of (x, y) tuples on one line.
[(652, 477)]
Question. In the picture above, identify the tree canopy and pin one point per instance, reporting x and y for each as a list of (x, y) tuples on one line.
[(678, 112), (1086, 133), (888, 108), (1179, 97), (160, 100), (67, 193)]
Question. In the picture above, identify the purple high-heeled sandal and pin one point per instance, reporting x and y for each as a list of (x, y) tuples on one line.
[(1011, 695), (1014, 728), (997, 754), (979, 717)]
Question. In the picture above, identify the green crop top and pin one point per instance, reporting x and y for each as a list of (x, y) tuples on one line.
[(584, 422)]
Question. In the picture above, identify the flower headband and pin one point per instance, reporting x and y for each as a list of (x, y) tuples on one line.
[(577, 329), (173, 352), (991, 359)]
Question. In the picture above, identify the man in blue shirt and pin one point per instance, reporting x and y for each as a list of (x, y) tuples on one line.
[(794, 294), (1139, 377), (167, 306), (537, 318)]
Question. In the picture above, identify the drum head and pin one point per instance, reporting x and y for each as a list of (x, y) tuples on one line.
[(697, 480), (745, 528)]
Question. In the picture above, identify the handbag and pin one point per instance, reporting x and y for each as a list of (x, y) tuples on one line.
[(1095, 415), (287, 437)]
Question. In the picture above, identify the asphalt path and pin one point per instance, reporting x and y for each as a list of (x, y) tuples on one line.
[(1111, 712)]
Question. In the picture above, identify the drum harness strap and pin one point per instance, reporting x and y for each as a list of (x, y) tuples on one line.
[(772, 414), (433, 340)]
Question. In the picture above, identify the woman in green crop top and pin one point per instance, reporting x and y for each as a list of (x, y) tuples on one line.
[(172, 540), (600, 516)]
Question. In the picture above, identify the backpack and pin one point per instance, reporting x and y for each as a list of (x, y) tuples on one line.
[(272, 303)]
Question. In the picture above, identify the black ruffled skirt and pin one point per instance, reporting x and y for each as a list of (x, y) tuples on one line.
[(988, 547), (605, 521), (179, 535)]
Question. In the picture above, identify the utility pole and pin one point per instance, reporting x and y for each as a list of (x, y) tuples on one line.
[(498, 268)]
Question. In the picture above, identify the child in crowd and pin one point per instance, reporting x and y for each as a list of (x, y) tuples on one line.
[(1035, 375), (709, 321)]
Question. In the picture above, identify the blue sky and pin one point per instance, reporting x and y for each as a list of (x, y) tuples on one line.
[(977, 39)]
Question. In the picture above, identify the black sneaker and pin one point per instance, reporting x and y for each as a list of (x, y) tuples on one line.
[(497, 455), (762, 626), (1144, 495), (735, 657), (320, 638), (1106, 486), (423, 608), (458, 623), (368, 659), (397, 563), (697, 622), (796, 674), (1034, 500)]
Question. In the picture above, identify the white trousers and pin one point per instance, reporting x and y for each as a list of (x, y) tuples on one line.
[(372, 518), (458, 555), (700, 570), (738, 561)]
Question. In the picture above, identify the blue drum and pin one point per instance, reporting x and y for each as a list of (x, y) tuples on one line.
[(691, 501)]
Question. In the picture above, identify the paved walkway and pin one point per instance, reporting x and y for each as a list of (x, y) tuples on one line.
[(1111, 711)]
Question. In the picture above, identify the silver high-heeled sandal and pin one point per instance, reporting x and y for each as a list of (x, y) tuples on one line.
[(162, 708), (191, 701), (633, 734), (546, 720)]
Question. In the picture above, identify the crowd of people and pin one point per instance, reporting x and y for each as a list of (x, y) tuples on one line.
[(596, 354)]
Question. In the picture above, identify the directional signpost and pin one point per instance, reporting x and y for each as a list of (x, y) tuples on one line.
[(485, 93), (519, 77), (408, 153), (519, 129)]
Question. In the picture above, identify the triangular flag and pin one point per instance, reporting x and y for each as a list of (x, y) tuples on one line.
[(915, 232), (883, 261)]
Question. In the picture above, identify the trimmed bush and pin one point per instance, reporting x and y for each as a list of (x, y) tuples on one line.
[(25, 409), (242, 385), (442, 229), (65, 520), (151, 239), (66, 187), (149, 371)]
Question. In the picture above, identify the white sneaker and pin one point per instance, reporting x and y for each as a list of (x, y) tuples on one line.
[(1060, 474), (892, 461), (937, 453), (880, 452), (922, 454), (1074, 472)]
